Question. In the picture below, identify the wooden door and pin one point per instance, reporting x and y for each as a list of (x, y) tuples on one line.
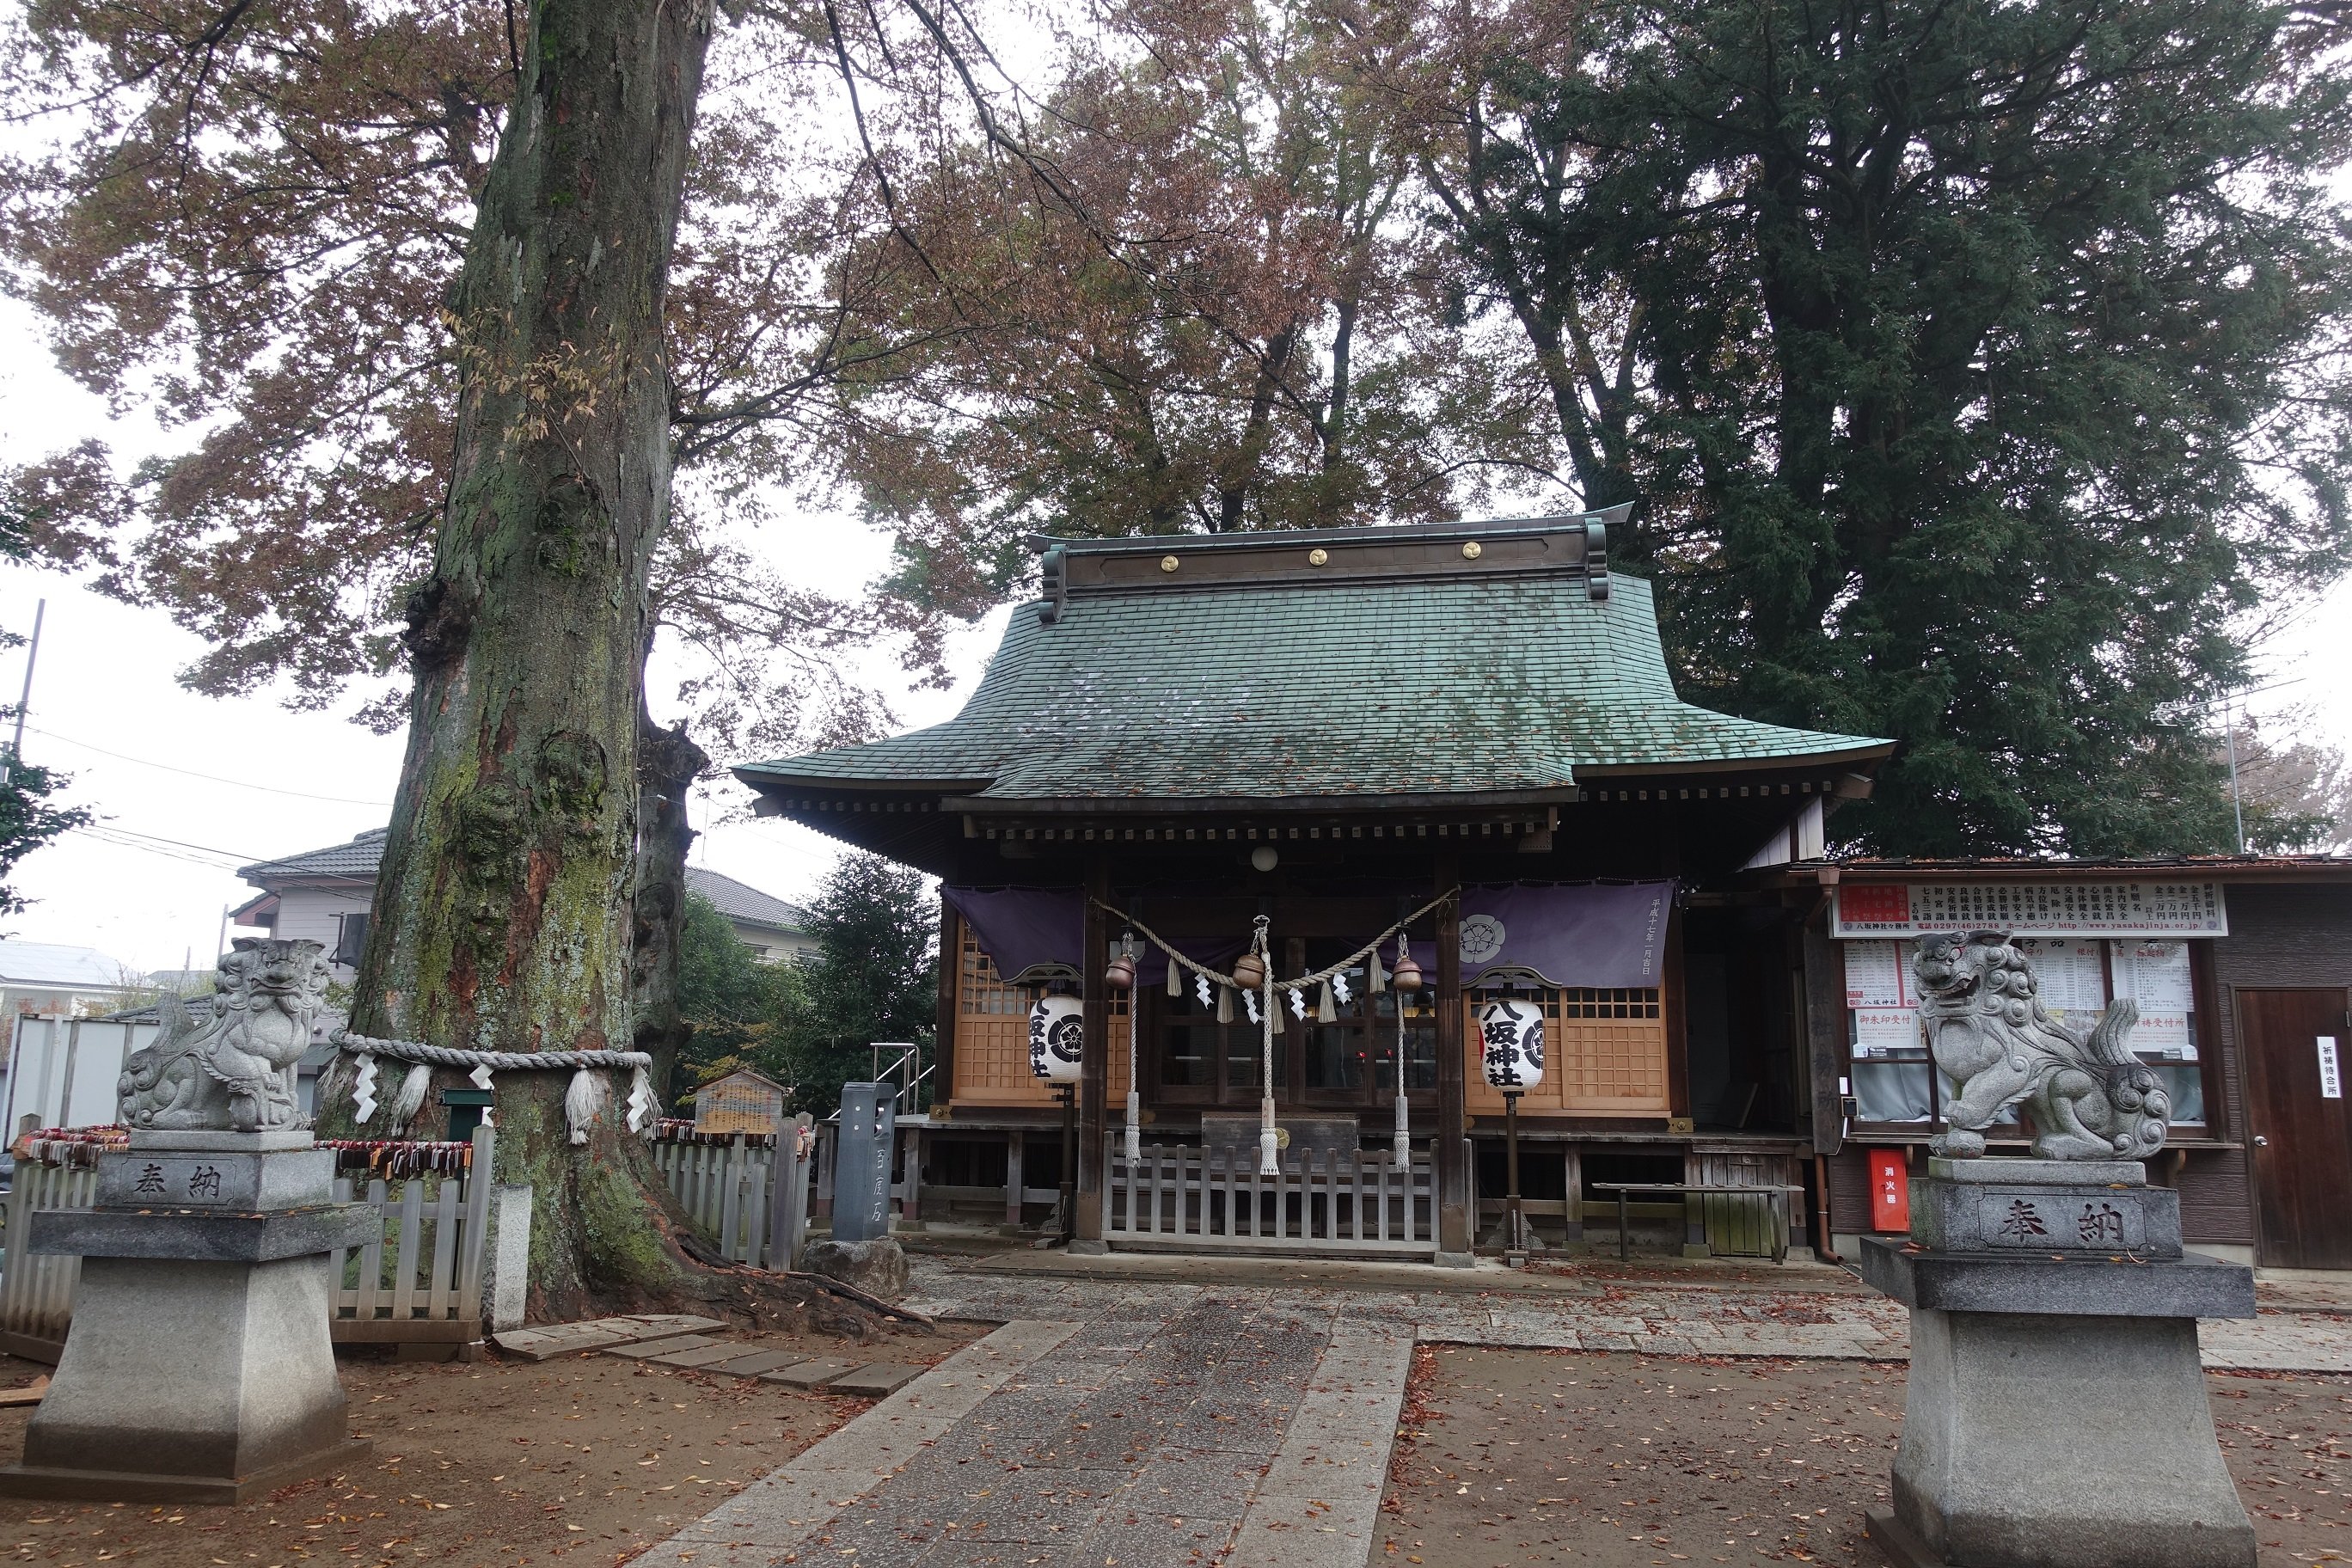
[(2300, 1124)]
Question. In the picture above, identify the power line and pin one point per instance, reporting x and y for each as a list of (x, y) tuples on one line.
[(165, 845), (212, 778)]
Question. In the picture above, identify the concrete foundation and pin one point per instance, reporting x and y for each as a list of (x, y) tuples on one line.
[(2056, 1416), (199, 1367)]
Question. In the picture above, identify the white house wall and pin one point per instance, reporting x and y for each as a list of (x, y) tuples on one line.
[(317, 913)]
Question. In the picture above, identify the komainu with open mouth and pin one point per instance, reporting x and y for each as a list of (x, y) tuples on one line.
[(2089, 1098)]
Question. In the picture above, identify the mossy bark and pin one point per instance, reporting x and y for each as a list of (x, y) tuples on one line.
[(502, 915), (668, 764)]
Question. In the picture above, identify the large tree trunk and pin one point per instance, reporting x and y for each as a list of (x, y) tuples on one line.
[(502, 907), (668, 764)]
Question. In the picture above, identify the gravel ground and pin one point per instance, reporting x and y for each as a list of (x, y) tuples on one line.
[(586, 1459), (1511, 1456)]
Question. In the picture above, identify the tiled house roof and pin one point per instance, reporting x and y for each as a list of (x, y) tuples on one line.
[(745, 905), (357, 860), (1417, 685)]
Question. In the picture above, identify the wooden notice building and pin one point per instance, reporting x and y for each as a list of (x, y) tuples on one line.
[(1470, 731)]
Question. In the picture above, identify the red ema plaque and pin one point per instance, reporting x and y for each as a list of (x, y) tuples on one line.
[(1875, 903)]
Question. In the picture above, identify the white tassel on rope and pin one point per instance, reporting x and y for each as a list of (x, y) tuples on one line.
[(411, 1098), (1269, 1162), (362, 1087), (1134, 1098), (1403, 1145), (582, 1103), (1324, 1012), (1376, 979), (481, 1077), (642, 1105)]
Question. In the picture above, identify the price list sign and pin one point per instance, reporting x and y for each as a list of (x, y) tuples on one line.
[(2036, 909)]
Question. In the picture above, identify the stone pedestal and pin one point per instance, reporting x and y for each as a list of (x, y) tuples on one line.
[(199, 1367), (2057, 1415)]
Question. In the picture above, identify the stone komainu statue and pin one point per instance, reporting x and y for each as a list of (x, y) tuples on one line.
[(2090, 1099), (228, 1064)]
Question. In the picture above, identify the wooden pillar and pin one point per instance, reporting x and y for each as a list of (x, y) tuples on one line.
[(950, 1001), (1094, 1080), (1016, 1180), (1452, 1163), (910, 1190)]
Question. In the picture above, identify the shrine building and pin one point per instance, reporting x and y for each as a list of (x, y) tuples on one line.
[(1308, 765)]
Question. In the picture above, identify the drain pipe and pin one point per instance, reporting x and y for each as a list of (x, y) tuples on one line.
[(1822, 1246)]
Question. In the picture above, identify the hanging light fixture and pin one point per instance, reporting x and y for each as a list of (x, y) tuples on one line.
[(1057, 1034), (1511, 1033)]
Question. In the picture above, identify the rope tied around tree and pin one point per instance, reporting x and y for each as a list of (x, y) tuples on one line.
[(584, 1101)]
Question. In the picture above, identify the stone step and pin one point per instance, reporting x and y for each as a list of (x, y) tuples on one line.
[(547, 1341), (874, 1378), (758, 1361), (808, 1374), (658, 1349), (696, 1355)]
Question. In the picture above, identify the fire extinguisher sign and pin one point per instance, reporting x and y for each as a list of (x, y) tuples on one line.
[(1890, 1190)]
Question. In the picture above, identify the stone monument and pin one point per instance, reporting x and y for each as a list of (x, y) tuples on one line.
[(2056, 1416), (862, 1251), (199, 1367)]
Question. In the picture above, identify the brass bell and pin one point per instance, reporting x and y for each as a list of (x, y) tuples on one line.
[(1120, 974), (1249, 972), (1406, 976)]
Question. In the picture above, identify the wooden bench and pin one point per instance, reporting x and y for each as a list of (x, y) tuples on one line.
[(1776, 1205)]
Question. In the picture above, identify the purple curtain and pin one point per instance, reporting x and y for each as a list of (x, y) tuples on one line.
[(1608, 938), (1023, 928)]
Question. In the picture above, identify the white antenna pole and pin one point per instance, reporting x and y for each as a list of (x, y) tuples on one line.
[(17, 747), (2236, 805)]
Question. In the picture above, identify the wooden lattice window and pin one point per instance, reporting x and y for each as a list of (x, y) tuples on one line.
[(992, 1038), (1604, 1053)]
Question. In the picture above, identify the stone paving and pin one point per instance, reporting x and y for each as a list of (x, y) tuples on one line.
[(1159, 1424)]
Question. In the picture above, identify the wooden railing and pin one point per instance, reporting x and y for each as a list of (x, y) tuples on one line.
[(419, 1281), (1336, 1204), (729, 1185)]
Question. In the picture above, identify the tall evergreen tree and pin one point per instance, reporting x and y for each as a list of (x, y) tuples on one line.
[(875, 978), (1975, 364)]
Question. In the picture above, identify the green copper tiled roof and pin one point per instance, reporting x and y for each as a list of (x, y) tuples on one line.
[(1422, 687)]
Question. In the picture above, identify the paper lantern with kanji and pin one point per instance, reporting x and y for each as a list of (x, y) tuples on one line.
[(1057, 1033), (1511, 1029)]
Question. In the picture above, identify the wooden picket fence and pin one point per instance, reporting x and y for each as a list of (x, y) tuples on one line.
[(36, 1290), (418, 1282), (729, 1184)]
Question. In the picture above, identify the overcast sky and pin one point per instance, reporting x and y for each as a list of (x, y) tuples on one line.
[(186, 788)]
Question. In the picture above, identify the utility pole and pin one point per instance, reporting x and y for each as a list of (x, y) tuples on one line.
[(32, 653)]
